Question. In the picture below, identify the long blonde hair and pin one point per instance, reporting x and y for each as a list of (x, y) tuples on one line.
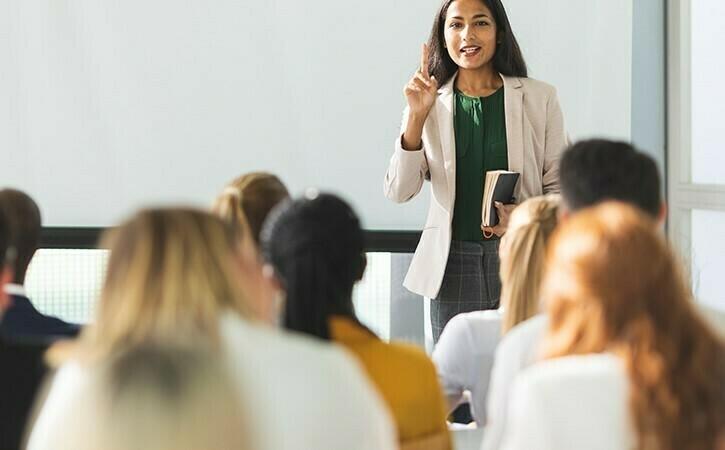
[(522, 258), (613, 284), (247, 200), (158, 396), (169, 270)]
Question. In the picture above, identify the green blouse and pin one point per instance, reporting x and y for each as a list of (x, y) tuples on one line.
[(480, 130)]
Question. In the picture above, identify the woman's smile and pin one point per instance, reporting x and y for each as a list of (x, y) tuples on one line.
[(470, 51)]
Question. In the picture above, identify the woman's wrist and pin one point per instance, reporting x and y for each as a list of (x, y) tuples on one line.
[(412, 137), (410, 144), (417, 119)]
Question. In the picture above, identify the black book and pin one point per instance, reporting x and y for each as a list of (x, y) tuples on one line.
[(498, 187)]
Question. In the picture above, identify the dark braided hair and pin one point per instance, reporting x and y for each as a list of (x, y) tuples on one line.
[(316, 247)]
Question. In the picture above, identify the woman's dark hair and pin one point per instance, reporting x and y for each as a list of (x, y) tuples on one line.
[(23, 217), (507, 60), (316, 247)]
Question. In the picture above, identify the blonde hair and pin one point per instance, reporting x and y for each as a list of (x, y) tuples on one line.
[(169, 270), (614, 285), (158, 396), (248, 199), (522, 258)]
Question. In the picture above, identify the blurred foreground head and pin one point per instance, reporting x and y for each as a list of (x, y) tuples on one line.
[(171, 273)]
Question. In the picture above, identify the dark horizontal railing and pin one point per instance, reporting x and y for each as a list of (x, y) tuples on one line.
[(88, 237)]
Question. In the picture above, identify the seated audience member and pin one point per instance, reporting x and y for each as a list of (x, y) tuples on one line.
[(629, 362), (179, 274), (21, 362), (21, 318), (245, 204), (159, 397), (464, 353), (316, 247), (248, 199), (590, 172)]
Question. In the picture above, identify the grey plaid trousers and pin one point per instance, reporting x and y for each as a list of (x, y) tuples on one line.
[(471, 282)]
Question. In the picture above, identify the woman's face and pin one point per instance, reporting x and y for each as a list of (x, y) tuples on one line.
[(470, 34)]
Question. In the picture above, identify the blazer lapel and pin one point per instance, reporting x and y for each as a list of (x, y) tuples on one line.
[(514, 105), (444, 113)]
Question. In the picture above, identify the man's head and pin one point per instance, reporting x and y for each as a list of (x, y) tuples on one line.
[(6, 259), (24, 222), (597, 170)]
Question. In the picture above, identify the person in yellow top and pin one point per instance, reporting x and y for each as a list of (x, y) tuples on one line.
[(316, 247)]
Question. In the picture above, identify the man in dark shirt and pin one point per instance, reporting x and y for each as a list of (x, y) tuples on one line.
[(21, 362), (21, 319)]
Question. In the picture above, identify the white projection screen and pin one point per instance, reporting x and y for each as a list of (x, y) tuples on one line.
[(107, 106)]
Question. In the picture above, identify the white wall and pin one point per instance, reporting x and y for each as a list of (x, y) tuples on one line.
[(106, 106), (584, 48)]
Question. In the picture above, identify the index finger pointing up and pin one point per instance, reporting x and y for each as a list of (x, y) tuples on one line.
[(424, 61)]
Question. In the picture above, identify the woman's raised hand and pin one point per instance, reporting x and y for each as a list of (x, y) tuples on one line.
[(422, 90), (421, 93)]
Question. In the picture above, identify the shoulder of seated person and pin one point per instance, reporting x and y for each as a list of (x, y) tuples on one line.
[(475, 317), (487, 315), (527, 329), (411, 351), (520, 345), (413, 358), (402, 355), (239, 331), (563, 369), (23, 346)]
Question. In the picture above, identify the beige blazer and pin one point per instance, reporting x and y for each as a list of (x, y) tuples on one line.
[(535, 137)]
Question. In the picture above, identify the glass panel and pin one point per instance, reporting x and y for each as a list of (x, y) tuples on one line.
[(66, 283), (708, 257), (708, 97), (372, 295)]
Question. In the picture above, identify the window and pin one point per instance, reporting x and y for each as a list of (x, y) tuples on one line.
[(67, 283), (696, 175)]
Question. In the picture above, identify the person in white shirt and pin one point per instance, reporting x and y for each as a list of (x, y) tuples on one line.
[(180, 275), (22, 320), (464, 353), (591, 172), (629, 363), (159, 396)]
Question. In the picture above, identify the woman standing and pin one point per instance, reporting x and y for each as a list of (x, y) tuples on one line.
[(471, 109)]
